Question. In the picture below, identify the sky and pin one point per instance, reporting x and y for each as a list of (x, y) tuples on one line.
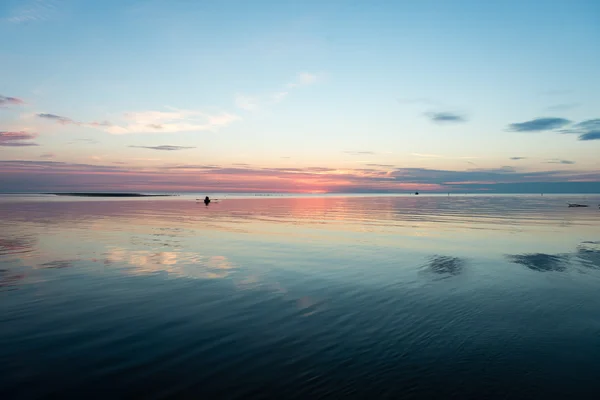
[(300, 96)]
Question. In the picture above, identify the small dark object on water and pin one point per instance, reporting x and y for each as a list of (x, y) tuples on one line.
[(577, 205), (416, 193), (206, 200)]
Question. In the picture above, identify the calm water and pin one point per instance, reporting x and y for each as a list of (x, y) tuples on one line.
[(335, 297)]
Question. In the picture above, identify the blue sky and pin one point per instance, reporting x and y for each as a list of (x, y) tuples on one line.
[(299, 96)]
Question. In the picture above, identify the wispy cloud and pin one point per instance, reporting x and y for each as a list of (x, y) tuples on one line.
[(445, 117), (255, 102), (57, 118), (153, 121), (171, 122), (559, 161), (100, 124), (244, 102), (380, 165), (303, 79), (164, 147), (518, 158), (539, 125), (422, 155), (279, 96), (84, 140), (359, 153), (17, 139), (48, 155), (10, 101), (32, 10), (589, 125)]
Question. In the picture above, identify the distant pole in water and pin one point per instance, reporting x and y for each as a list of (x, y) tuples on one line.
[(206, 200)]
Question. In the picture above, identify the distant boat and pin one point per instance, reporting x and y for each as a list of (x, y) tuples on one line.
[(577, 205)]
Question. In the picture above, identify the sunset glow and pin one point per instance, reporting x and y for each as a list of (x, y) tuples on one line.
[(315, 98)]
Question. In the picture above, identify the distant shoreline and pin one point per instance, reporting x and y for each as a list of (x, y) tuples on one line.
[(81, 194)]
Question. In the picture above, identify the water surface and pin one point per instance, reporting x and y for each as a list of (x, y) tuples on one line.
[(300, 297)]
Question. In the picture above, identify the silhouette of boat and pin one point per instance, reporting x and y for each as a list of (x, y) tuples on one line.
[(577, 205)]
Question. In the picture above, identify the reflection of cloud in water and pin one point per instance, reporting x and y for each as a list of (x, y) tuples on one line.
[(16, 245), (9, 279), (57, 264), (445, 265), (588, 254), (541, 262), (182, 264)]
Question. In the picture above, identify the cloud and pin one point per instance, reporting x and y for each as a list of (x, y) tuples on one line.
[(17, 139), (559, 161), (171, 122), (423, 155), (539, 125), (306, 78), (303, 79), (58, 119), (101, 124), (279, 96), (10, 101), (25, 175), (426, 155), (154, 121), (592, 135), (32, 11), (47, 155), (381, 165), (84, 140), (253, 103), (518, 158), (164, 147), (589, 125), (359, 153), (246, 102), (445, 117), (587, 130)]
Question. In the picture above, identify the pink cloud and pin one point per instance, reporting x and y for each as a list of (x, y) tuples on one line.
[(17, 139), (8, 101)]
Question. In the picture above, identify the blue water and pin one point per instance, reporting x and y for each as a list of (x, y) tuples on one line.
[(300, 297)]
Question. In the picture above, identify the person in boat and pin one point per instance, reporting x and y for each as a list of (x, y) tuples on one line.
[(206, 200)]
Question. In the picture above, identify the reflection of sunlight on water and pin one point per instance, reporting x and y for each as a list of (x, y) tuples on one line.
[(176, 237)]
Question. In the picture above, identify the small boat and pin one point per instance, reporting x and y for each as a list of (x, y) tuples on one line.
[(577, 205)]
